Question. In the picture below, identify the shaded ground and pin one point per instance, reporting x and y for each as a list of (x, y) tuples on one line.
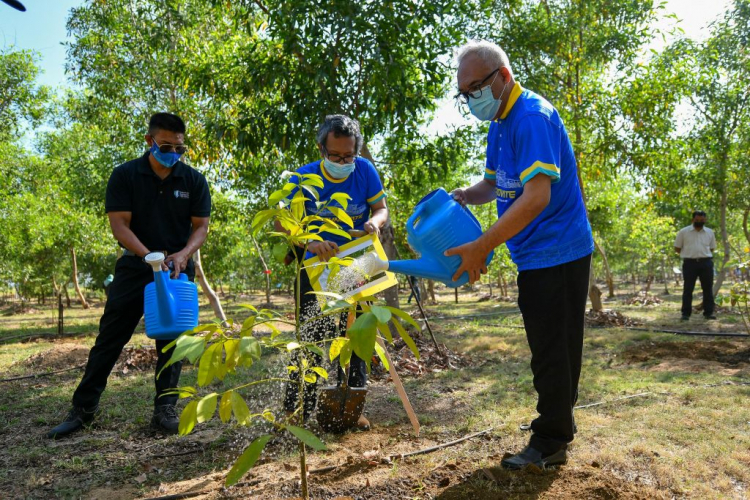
[(661, 445)]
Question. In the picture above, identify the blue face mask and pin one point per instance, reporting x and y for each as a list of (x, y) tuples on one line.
[(166, 159), (337, 170), (486, 106)]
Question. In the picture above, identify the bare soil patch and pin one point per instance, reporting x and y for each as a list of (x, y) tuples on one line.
[(68, 355), (608, 318), (727, 357)]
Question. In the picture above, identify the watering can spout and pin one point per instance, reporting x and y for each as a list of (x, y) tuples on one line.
[(163, 296), (424, 267)]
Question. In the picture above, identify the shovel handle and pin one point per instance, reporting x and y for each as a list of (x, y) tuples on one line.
[(357, 233), (400, 390)]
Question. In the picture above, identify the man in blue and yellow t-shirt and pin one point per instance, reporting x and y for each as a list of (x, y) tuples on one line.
[(343, 171), (531, 173)]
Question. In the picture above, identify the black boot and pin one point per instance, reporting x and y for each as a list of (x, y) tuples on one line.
[(165, 419), (530, 455), (77, 418)]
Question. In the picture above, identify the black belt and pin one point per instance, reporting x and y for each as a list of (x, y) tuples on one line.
[(128, 253), (701, 259)]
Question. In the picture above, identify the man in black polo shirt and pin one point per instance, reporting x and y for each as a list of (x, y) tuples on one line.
[(154, 203)]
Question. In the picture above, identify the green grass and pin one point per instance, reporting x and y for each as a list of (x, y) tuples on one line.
[(688, 438)]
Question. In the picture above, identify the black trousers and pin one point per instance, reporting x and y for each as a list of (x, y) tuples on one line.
[(553, 304), (414, 292), (122, 313), (317, 331), (693, 269)]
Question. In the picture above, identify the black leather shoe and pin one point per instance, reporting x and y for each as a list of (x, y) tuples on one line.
[(710, 317), (77, 418), (165, 419), (530, 455), (685, 318)]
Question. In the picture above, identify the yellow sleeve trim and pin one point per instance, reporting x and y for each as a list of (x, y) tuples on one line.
[(376, 198), (547, 168), (487, 171)]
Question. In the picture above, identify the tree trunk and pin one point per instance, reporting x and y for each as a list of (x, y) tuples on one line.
[(75, 279), (607, 271), (665, 275), (67, 295), (423, 290), (745, 215), (431, 290), (724, 240), (207, 290), (595, 295), (388, 239), (266, 271), (455, 291), (504, 286)]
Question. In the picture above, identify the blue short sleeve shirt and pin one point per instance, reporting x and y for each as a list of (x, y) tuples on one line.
[(363, 185), (528, 140)]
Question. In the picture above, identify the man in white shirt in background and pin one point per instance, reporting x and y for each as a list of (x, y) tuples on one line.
[(696, 244)]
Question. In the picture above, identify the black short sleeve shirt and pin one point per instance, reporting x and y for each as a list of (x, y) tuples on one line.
[(161, 209)]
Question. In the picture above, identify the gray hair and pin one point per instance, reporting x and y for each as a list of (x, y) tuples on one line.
[(341, 126), (488, 52)]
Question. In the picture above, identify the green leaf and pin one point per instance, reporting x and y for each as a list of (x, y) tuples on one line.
[(386, 333), (314, 180), (262, 217), (240, 409), (320, 371), (277, 196), (383, 314), (342, 199), (279, 251), (341, 214), (406, 338), (232, 353), (188, 347), (207, 407), (209, 361), (188, 418), (401, 314), (225, 407), (362, 336), (382, 356), (310, 378), (307, 437), (345, 356), (247, 460), (338, 232), (336, 347), (311, 190), (314, 349), (249, 350)]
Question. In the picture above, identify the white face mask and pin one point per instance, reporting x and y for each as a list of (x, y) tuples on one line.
[(337, 170), (485, 106)]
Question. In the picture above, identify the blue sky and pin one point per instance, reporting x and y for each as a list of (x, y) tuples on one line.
[(41, 28)]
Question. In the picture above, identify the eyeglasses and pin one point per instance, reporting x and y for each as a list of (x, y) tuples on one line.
[(338, 158), (171, 148), (476, 91)]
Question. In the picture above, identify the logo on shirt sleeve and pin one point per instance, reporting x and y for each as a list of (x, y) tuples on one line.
[(182, 194)]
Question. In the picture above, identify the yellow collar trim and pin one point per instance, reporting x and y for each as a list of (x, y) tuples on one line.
[(328, 176), (514, 94)]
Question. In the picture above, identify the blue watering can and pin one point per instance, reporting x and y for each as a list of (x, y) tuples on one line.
[(437, 224), (170, 306)]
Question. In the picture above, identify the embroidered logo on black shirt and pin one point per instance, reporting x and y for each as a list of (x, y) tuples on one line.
[(181, 194)]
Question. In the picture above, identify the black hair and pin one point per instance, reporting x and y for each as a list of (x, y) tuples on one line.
[(165, 121), (341, 126), (697, 213)]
